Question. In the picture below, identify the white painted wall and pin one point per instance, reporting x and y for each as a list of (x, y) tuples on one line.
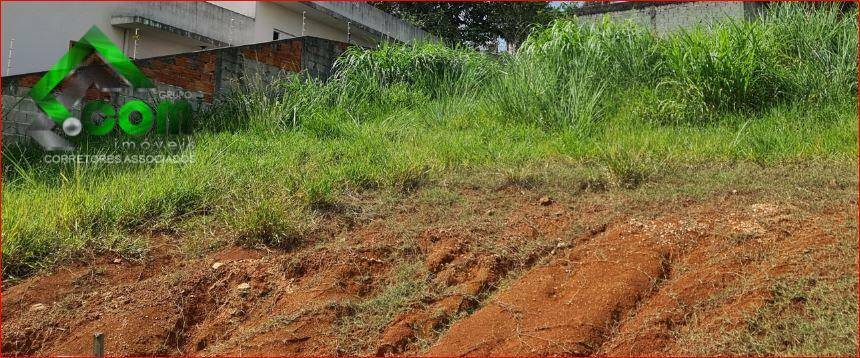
[(247, 8), (275, 16), (43, 30), (288, 17), (372, 18)]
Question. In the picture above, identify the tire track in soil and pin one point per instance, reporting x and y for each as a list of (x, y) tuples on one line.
[(473, 275), (570, 304), (729, 274)]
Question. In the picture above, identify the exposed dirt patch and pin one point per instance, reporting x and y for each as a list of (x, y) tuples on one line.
[(497, 272), (567, 305)]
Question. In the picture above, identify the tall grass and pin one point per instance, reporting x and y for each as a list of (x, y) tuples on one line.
[(613, 97), (725, 69), (794, 53), (817, 49), (433, 69), (562, 75), (276, 102)]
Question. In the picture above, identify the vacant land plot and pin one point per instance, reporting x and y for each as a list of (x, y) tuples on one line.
[(603, 191)]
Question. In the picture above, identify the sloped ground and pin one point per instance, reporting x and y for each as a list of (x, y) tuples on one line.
[(475, 268)]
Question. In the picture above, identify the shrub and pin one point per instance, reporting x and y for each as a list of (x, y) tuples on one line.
[(561, 75)]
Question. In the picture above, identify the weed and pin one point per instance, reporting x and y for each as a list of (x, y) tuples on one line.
[(269, 223), (804, 316), (367, 318)]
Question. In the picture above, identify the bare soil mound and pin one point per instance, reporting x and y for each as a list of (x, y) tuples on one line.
[(489, 272)]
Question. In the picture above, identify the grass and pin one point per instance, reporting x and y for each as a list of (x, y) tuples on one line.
[(803, 316), (613, 98), (367, 319)]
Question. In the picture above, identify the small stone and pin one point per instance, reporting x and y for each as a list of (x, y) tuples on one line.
[(217, 265), (243, 287), (38, 307), (562, 245), (546, 201), (117, 260)]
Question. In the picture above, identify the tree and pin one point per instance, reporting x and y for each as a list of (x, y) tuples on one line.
[(478, 24)]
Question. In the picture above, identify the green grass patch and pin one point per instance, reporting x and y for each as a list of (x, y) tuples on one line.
[(805, 316), (627, 106), (365, 320)]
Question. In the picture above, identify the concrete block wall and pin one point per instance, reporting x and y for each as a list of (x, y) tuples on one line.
[(318, 56), (19, 111), (674, 17), (206, 74), (641, 17), (666, 18)]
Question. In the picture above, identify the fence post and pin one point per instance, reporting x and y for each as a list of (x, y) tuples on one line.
[(98, 344), (11, 51)]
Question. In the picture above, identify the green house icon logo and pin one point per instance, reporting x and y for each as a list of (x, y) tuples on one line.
[(94, 41), (173, 117)]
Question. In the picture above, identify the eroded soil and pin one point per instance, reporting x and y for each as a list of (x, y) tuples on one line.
[(465, 271)]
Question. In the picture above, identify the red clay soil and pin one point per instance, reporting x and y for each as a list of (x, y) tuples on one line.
[(506, 274), (629, 291), (567, 305)]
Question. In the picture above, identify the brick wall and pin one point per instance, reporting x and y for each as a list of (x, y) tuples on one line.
[(206, 74), (193, 71)]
